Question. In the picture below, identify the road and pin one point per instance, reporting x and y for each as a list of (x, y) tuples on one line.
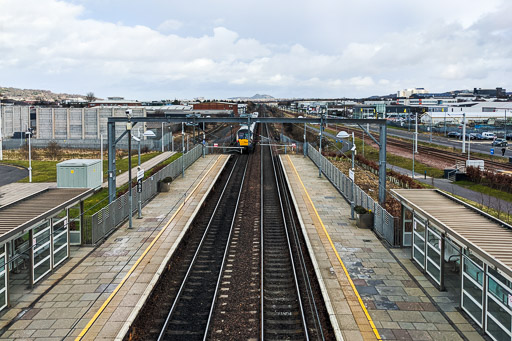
[(122, 178), (10, 174)]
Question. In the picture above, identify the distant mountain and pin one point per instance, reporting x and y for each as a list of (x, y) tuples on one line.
[(255, 97)]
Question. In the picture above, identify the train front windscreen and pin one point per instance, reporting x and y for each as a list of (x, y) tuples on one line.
[(243, 137)]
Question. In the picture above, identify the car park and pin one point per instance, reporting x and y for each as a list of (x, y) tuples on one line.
[(499, 143)]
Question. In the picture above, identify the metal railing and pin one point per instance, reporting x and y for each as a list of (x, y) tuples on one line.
[(383, 222), (103, 222)]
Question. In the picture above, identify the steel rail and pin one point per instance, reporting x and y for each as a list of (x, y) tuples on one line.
[(290, 254), (177, 298), (225, 254), (300, 253)]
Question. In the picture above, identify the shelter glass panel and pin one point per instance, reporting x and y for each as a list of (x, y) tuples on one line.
[(60, 240), (473, 270), (496, 331), (434, 271), (42, 270), (419, 257), (472, 309), (500, 313), (472, 290), (419, 243), (75, 228), (41, 251), (3, 279)]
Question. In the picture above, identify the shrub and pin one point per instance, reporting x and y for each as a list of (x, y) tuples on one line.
[(34, 153), (53, 150)]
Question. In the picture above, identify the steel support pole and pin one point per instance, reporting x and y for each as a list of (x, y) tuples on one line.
[(1, 136), (382, 164), (182, 149), (139, 195), (204, 143), (413, 156), (162, 137), (463, 133), (101, 155), (130, 200), (304, 147), (353, 201), (111, 136), (416, 134), (320, 146), (29, 159)]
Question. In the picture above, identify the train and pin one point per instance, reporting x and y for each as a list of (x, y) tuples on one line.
[(245, 135)]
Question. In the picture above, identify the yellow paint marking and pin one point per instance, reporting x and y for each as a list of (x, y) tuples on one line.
[(102, 308), (376, 332)]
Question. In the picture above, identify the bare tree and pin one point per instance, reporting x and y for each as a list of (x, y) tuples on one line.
[(90, 96)]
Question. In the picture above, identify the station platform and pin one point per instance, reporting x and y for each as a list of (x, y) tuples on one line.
[(96, 294), (373, 292)]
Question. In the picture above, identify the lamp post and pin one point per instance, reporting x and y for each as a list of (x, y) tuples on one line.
[(320, 146), (1, 137), (137, 138), (352, 202), (183, 149), (505, 127), (130, 202), (416, 134), (29, 133), (304, 148), (162, 137)]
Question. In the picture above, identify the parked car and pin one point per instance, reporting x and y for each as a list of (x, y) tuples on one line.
[(488, 136), (477, 136), (499, 143), (454, 134), (509, 136)]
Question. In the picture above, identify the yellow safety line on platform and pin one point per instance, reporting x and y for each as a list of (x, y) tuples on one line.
[(104, 305), (337, 255)]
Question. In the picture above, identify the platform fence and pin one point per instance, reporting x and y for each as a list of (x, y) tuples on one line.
[(105, 221), (383, 222)]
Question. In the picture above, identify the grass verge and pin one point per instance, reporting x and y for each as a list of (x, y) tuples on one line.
[(100, 199)]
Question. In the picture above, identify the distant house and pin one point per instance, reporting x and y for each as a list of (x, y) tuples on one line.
[(216, 106), (114, 102)]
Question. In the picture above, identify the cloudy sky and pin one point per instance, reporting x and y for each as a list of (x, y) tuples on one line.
[(166, 49)]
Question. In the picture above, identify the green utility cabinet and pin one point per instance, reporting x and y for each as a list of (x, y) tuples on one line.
[(79, 173)]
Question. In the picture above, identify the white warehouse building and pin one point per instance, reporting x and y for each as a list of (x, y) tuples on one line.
[(457, 117)]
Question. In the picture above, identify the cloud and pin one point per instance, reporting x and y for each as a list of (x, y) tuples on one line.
[(50, 42), (170, 25)]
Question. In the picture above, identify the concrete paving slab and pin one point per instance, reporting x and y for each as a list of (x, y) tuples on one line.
[(68, 306), (394, 293)]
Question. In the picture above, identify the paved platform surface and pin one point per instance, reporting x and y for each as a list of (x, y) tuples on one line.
[(64, 303), (122, 178), (401, 303)]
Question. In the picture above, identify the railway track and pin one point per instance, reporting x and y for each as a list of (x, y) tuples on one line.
[(290, 306), (242, 271), (190, 313), (236, 314), (434, 152)]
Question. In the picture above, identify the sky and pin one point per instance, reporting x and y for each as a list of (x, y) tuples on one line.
[(167, 49)]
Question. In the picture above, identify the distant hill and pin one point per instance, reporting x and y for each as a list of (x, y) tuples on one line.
[(33, 94), (255, 97)]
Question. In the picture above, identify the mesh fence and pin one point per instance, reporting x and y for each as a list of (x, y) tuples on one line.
[(103, 222), (383, 222)]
